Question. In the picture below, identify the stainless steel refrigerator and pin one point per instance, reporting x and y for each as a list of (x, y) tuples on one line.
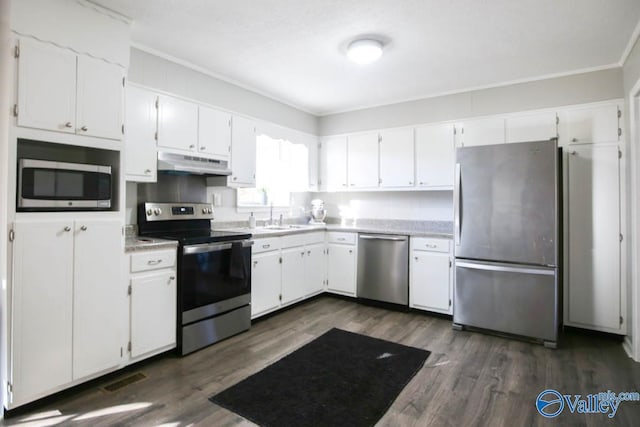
[(507, 203)]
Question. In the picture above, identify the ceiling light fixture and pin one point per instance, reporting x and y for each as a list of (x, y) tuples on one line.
[(364, 51)]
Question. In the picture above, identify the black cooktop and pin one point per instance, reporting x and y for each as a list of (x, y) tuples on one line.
[(196, 237)]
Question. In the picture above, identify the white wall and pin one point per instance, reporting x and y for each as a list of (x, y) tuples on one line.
[(407, 205), (575, 89), (159, 73)]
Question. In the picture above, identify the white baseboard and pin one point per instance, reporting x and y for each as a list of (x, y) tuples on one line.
[(628, 347)]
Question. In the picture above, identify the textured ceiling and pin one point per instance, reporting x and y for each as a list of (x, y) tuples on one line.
[(294, 50)]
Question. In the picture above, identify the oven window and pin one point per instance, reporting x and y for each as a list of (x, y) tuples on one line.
[(207, 278)]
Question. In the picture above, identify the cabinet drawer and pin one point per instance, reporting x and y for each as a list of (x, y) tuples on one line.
[(340, 237), (429, 244), (266, 245), (302, 239), (153, 260)]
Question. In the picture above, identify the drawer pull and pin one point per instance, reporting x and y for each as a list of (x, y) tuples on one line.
[(431, 245), (341, 239), (154, 261), (172, 278), (266, 246)]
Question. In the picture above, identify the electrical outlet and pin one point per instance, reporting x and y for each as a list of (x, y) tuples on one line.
[(217, 199)]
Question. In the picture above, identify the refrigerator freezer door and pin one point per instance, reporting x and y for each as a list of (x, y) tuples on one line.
[(506, 203), (515, 299)]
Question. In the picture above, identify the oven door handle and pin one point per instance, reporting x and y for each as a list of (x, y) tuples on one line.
[(214, 247)]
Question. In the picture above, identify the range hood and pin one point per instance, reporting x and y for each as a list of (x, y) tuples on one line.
[(192, 164)]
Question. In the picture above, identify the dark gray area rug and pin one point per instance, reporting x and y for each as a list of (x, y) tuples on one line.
[(339, 379)]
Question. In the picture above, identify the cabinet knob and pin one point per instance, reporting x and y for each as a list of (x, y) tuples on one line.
[(235, 178), (255, 263), (83, 228), (147, 171), (350, 251), (302, 253), (67, 228), (172, 278), (192, 146), (421, 183), (344, 185), (574, 139), (410, 182), (84, 128), (573, 153), (308, 252), (68, 125), (203, 148), (416, 258)]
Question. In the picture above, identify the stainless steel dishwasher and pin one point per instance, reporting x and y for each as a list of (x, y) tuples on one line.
[(383, 268)]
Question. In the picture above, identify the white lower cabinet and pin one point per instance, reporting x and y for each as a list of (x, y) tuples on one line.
[(67, 294), (341, 277), (153, 302), (430, 275), (286, 270)]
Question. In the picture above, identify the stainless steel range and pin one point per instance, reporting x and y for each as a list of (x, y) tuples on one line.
[(214, 272)]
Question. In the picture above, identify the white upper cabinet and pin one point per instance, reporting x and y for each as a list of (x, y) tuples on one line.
[(590, 124), (177, 124), (435, 156), (64, 92), (214, 133), (362, 161), (46, 87), (141, 120), (243, 153), (485, 131), (396, 158), (531, 127), (99, 108), (333, 163)]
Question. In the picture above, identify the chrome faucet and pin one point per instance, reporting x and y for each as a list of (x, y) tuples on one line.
[(281, 221), (271, 214)]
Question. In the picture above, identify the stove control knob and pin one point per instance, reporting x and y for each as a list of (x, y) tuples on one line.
[(204, 210), (157, 211), (209, 210), (149, 212)]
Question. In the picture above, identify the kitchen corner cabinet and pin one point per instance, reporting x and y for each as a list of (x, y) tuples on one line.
[(153, 302), (65, 297), (333, 163), (431, 275), (140, 138), (177, 124), (396, 158), (590, 124), (593, 260), (243, 153), (64, 92), (214, 133), (484, 131), (435, 156), (362, 161), (266, 276), (342, 257)]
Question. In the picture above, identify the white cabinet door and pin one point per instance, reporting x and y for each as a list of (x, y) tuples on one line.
[(362, 161), (99, 98), (593, 218), (483, 132), (177, 124), (265, 283), (153, 312), (99, 297), (430, 281), (435, 156), (589, 125), (46, 87), (41, 323), (333, 164), (315, 269), (531, 127), (397, 158), (214, 133), (293, 286), (141, 121), (342, 269), (243, 152)]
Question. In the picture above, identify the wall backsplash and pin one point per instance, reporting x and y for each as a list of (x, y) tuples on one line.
[(405, 205)]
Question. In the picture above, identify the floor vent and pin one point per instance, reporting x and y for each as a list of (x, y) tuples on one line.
[(125, 382)]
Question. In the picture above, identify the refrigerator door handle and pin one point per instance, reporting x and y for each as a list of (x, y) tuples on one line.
[(456, 205), (505, 269)]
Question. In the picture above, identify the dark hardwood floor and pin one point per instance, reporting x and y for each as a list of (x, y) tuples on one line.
[(469, 379)]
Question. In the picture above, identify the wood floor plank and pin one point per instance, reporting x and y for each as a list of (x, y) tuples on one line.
[(470, 378)]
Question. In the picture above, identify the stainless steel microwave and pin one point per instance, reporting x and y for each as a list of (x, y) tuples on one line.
[(48, 185)]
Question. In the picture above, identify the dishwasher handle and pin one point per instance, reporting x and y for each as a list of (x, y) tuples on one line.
[(383, 237)]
